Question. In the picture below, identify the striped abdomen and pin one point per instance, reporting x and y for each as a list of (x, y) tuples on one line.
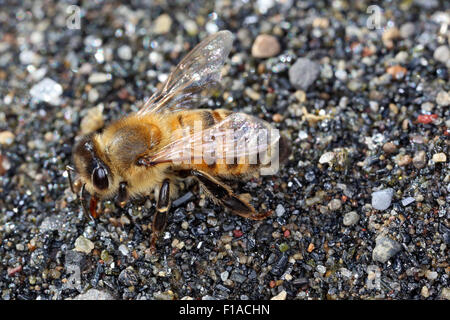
[(202, 119)]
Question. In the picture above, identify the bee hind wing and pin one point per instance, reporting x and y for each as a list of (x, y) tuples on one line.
[(195, 78)]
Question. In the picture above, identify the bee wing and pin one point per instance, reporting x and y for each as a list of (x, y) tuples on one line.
[(195, 77), (239, 138)]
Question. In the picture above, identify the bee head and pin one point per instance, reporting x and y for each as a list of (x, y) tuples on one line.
[(91, 165)]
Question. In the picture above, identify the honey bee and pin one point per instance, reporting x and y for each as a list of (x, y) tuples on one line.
[(168, 141)]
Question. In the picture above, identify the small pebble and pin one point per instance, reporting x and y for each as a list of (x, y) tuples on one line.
[(420, 159), (445, 294), (252, 94), (162, 24), (92, 121), (93, 95), (443, 98), (407, 30), (335, 205), (125, 53), (281, 296), (47, 90), (30, 57), (425, 292), (303, 73), (389, 147), (431, 275), (128, 277), (99, 78), (265, 46), (224, 275), (351, 218), (381, 200), (124, 250), (321, 269), (5, 165), (280, 210), (327, 157), (83, 245), (404, 160), (408, 201), (427, 107), (389, 35), (6, 138), (191, 27), (397, 72), (385, 249), (439, 157), (277, 118), (95, 294), (320, 22), (442, 54)]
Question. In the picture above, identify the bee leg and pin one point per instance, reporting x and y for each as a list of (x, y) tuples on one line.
[(225, 196), (93, 207), (160, 217), (122, 195), (83, 204)]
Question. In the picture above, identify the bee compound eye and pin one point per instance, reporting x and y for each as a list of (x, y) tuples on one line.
[(100, 178)]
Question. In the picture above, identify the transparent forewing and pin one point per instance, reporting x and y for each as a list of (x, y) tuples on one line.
[(238, 139), (195, 77)]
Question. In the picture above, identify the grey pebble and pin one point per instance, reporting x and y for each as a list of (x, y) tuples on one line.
[(280, 210), (95, 294), (420, 159), (385, 249), (303, 73), (442, 54), (407, 30), (407, 201), (128, 277), (351, 218)]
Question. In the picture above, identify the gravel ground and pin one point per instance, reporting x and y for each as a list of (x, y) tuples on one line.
[(360, 211)]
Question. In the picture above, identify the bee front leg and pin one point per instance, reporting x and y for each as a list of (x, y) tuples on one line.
[(160, 217), (122, 194)]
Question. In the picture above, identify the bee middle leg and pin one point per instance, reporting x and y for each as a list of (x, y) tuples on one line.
[(223, 194), (162, 209)]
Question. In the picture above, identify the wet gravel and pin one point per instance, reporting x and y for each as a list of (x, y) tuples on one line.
[(360, 210)]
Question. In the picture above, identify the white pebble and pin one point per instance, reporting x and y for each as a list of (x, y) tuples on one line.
[(83, 245), (125, 53), (99, 77), (381, 200), (280, 210), (281, 296), (123, 249), (48, 91)]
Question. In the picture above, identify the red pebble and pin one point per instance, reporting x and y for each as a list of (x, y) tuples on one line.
[(13, 271), (237, 233), (286, 233), (427, 118)]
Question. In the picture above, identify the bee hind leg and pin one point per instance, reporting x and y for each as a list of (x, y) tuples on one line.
[(225, 196), (242, 208), (160, 217)]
